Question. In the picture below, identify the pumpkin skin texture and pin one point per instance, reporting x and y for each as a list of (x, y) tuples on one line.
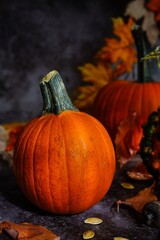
[(64, 162), (115, 100)]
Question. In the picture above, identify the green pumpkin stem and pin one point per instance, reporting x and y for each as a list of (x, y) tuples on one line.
[(47, 104), (54, 94), (142, 45)]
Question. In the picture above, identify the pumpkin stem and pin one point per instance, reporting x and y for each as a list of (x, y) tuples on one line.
[(47, 104), (142, 45), (54, 94)]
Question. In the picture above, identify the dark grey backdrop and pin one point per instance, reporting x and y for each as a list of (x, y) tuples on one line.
[(41, 35)]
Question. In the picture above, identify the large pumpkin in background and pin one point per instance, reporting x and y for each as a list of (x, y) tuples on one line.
[(114, 101), (64, 160)]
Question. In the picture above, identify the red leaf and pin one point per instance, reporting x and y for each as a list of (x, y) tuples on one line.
[(128, 137), (138, 201), (27, 231)]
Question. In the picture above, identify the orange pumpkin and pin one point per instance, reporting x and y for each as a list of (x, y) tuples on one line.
[(64, 160), (114, 101)]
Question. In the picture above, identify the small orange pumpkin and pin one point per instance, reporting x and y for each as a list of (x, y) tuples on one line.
[(114, 101), (64, 160)]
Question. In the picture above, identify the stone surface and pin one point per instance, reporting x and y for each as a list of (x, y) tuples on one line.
[(126, 223)]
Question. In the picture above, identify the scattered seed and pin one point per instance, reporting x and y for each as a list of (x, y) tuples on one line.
[(120, 238), (93, 220), (88, 234), (127, 185)]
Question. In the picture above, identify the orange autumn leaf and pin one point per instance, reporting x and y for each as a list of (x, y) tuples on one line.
[(138, 201), (128, 137), (120, 50), (13, 130), (114, 59), (96, 76), (27, 231)]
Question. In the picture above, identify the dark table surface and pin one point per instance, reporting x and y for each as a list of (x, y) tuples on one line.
[(126, 223)]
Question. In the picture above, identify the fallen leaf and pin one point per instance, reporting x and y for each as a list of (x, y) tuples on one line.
[(139, 172), (138, 201), (27, 231), (128, 137)]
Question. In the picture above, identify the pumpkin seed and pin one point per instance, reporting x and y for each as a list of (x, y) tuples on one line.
[(128, 185), (93, 220), (120, 238), (88, 234)]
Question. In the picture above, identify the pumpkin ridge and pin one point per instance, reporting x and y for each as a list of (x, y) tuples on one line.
[(48, 131), (47, 119), (18, 146), (49, 137), (67, 171), (154, 98), (131, 94), (99, 127), (39, 127), (141, 101), (21, 139), (49, 159), (116, 101), (101, 104), (156, 93), (100, 132)]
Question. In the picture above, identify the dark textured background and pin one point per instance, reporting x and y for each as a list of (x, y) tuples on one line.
[(41, 35)]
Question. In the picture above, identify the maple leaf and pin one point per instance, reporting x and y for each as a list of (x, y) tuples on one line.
[(138, 201), (27, 231), (128, 137), (114, 59), (95, 76), (120, 50)]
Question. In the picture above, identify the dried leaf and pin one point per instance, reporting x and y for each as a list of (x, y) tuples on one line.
[(114, 59), (120, 50), (128, 137), (13, 135), (96, 76), (139, 172), (138, 201), (27, 231)]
